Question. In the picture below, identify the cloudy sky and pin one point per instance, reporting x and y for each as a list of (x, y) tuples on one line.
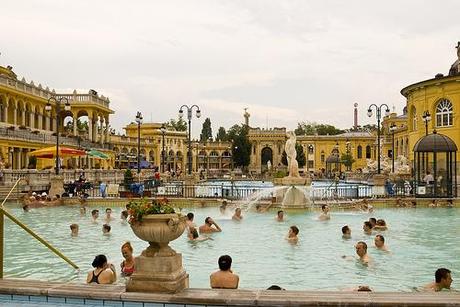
[(286, 61)]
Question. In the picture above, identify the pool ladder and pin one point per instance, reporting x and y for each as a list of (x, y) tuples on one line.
[(3, 213)]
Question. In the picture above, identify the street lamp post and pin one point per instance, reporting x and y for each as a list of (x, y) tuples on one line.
[(379, 113), (139, 119), (163, 131), (348, 144), (189, 117), (58, 120), (393, 128), (309, 150), (426, 116)]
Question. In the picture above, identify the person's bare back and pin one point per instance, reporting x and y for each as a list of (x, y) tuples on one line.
[(224, 280)]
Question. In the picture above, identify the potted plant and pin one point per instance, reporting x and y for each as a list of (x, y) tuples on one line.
[(157, 223)]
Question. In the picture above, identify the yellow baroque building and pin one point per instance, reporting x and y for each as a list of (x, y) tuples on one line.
[(439, 98), (268, 145), (25, 125)]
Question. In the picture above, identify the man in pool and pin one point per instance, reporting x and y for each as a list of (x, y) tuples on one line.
[(280, 216), (224, 278), (325, 213), (74, 230), (361, 251), (94, 215), (346, 232), (108, 215), (237, 215), (189, 222), (443, 280), (223, 207), (106, 229), (207, 227), (292, 236), (379, 242), (367, 228)]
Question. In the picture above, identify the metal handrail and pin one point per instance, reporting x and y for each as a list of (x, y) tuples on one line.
[(28, 230)]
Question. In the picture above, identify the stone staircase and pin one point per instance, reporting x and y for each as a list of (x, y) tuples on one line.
[(4, 190)]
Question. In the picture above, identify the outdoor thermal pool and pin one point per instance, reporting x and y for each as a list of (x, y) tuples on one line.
[(421, 240)]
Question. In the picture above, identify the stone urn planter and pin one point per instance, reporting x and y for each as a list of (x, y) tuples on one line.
[(159, 267)]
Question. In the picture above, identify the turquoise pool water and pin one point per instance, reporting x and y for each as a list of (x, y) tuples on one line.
[(421, 240)]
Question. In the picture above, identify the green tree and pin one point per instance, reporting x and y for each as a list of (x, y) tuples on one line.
[(206, 131), (301, 159), (177, 125), (312, 128), (221, 135), (305, 128), (128, 178), (241, 147), (347, 160)]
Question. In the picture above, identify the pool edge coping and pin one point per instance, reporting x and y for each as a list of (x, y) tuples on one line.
[(237, 297)]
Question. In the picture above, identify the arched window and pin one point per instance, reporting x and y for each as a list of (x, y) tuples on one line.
[(444, 113), (360, 152), (322, 156), (368, 152)]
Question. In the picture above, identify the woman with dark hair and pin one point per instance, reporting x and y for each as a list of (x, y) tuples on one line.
[(103, 273)]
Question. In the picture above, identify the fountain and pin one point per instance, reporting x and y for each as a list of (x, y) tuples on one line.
[(296, 195)]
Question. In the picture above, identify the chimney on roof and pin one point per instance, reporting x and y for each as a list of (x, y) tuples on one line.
[(355, 118)]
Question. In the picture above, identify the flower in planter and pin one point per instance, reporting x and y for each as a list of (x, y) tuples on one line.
[(139, 208)]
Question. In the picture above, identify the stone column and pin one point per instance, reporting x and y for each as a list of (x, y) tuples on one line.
[(26, 157), (101, 133), (15, 116), (6, 114), (40, 121), (74, 125), (90, 129), (32, 119), (107, 128), (47, 123), (23, 113)]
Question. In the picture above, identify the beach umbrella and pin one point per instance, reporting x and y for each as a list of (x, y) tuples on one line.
[(97, 154), (50, 152)]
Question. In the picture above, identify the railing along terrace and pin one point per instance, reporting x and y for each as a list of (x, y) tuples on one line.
[(22, 85), (341, 192), (19, 134)]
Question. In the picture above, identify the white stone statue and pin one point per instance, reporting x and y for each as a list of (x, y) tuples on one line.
[(385, 165), (371, 166), (402, 166), (269, 165), (291, 155)]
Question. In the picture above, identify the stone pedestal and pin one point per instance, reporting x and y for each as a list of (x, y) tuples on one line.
[(378, 189), (158, 274), (56, 185), (189, 186)]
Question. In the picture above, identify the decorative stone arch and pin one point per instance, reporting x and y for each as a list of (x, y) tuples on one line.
[(359, 152), (125, 150), (368, 152), (67, 121), (444, 113), (133, 151), (152, 156), (266, 154), (3, 108), (21, 115), (116, 150), (11, 108)]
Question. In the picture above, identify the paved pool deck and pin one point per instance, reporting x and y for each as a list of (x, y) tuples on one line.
[(17, 290)]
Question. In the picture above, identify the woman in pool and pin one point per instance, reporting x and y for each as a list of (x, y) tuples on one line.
[(104, 273), (194, 236), (127, 265)]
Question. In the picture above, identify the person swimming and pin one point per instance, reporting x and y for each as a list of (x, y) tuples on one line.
[(74, 230), (293, 233), (325, 213), (237, 216), (443, 280), (194, 236), (361, 251), (379, 242), (103, 273), (367, 228), (223, 207), (346, 232), (280, 216)]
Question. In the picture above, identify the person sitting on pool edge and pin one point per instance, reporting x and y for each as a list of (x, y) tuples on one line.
[(325, 213), (237, 216), (224, 278), (379, 242), (443, 280), (280, 216), (103, 273), (346, 232), (292, 234), (207, 227), (361, 251)]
